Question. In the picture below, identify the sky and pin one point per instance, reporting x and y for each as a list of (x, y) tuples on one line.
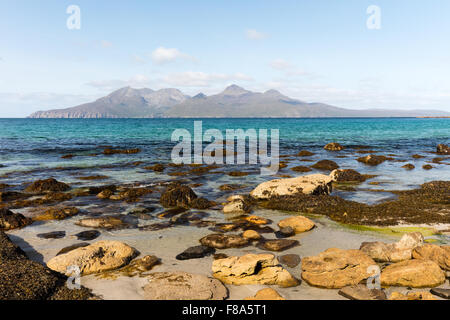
[(335, 52)]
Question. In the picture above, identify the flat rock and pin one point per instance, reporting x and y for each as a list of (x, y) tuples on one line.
[(278, 245), (441, 292), (412, 295), (266, 295), (98, 257), (413, 273), (310, 184), (336, 268), (88, 235), (361, 292), (196, 252), (290, 260), (250, 269), (222, 241), (183, 286), (438, 254), (393, 252), (52, 235), (298, 223), (104, 222)]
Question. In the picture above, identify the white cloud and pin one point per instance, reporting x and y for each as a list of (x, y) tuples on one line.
[(165, 55), (202, 79), (255, 35), (137, 81)]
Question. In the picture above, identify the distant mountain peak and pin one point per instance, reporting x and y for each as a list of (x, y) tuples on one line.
[(201, 95), (234, 90), (272, 92)]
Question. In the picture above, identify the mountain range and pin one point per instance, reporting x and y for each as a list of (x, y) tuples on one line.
[(233, 102)]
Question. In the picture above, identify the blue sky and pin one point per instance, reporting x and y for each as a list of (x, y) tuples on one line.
[(319, 51)]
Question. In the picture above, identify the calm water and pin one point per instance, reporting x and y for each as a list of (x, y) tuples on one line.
[(32, 148)]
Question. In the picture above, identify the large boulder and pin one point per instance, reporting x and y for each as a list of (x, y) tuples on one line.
[(177, 196), (336, 268), (298, 223), (252, 269), (98, 257), (311, 184), (10, 220), (183, 286), (443, 149), (438, 254), (393, 252), (46, 185), (413, 273), (346, 175)]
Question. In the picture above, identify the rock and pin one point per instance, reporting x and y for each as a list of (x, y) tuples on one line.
[(104, 222), (413, 273), (222, 241), (219, 256), (251, 235), (231, 187), (146, 263), (10, 220), (202, 204), (109, 151), (105, 194), (438, 254), (427, 167), (157, 168), (334, 146), (249, 269), (278, 245), (177, 196), (256, 220), (305, 153), (372, 160), (310, 184), (336, 268), (443, 149), (420, 295), (290, 260), (98, 257), (237, 206), (23, 279), (12, 195), (196, 252), (393, 252), (301, 169), (265, 295), (72, 247), (441, 292), (57, 214), (361, 292), (285, 232), (183, 286), (347, 175), (170, 213), (326, 165), (52, 235), (131, 195), (51, 184), (408, 166), (298, 223), (88, 235)]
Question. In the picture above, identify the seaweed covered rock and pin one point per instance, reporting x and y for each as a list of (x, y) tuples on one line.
[(372, 160), (347, 175), (325, 165), (47, 185), (310, 184), (10, 220), (334, 146), (177, 196), (56, 213)]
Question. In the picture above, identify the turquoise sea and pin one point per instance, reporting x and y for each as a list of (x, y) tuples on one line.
[(32, 148)]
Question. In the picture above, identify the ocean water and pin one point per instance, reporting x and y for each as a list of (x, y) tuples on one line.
[(32, 148)]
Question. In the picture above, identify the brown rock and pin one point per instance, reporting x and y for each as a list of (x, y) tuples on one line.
[(251, 235), (443, 149), (438, 254), (347, 175), (10, 220), (265, 295), (334, 146), (336, 268), (298, 223), (305, 153), (372, 160), (326, 165), (51, 184), (418, 295), (361, 292), (408, 166), (57, 214), (290, 260), (177, 196), (278, 245), (222, 241)]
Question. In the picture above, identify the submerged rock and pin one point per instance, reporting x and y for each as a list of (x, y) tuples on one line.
[(196, 252), (290, 260), (10, 220), (222, 241), (98, 257), (301, 169), (72, 247), (305, 153), (51, 184), (310, 184), (361, 292), (266, 295), (252, 269), (336, 268), (183, 286), (278, 245), (413, 273), (408, 166), (393, 252)]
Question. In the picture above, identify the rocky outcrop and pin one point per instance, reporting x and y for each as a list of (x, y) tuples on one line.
[(266, 295), (393, 252), (438, 254), (252, 269), (336, 268), (310, 184), (413, 273), (183, 286), (10, 220), (298, 223), (47, 185), (98, 257), (347, 175)]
